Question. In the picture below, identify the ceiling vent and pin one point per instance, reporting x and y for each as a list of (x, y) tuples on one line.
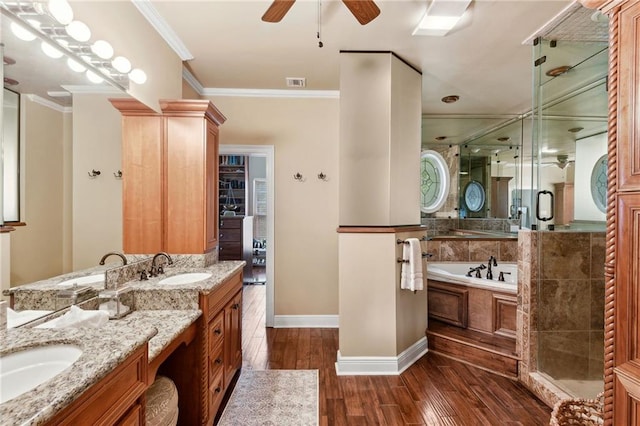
[(296, 82)]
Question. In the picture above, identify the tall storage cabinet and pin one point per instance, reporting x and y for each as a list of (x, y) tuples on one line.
[(170, 176)]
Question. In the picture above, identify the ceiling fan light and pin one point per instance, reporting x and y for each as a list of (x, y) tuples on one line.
[(103, 49), (93, 77), (121, 64), (75, 65), (138, 76), (51, 51), (61, 11), (79, 31), (22, 33)]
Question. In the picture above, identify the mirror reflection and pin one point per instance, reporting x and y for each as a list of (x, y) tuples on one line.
[(503, 161)]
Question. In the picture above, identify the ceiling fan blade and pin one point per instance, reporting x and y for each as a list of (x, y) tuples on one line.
[(277, 10), (365, 11)]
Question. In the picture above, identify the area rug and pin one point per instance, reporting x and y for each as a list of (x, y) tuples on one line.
[(273, 397)]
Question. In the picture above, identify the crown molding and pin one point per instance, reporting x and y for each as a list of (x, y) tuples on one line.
[(49, 104), (192, 81), (271, 93), (166, 32), (91, 90)]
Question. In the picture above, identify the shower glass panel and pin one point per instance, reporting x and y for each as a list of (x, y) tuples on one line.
[(569, 125)]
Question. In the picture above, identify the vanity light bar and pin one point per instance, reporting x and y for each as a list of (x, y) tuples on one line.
[(55, 34)]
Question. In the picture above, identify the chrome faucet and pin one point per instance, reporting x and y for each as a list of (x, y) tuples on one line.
[(494, 261), (155, 270), (113, 253)]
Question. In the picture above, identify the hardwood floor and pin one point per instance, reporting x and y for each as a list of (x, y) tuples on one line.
[(434, 391)]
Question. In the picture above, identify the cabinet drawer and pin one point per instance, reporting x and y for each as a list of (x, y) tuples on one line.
[(135, 417), (216, 331), (216, 392), (216, 362), (230, 235), (227, 223), (233, 252)]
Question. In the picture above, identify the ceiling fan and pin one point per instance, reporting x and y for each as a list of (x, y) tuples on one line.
[(365, 11), (563, 161)]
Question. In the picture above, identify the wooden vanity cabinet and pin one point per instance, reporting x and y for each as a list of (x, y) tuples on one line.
[(222, 343), (118, 399), (170, 176)]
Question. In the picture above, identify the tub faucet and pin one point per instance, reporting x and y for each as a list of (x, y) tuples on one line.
[(155, 270), (494, 262), (501, 276), (113, 253)]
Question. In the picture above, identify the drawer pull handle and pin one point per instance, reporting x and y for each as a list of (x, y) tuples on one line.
[(221, 234), (218, 389), (235, 306), (217, 331), (218, 360)]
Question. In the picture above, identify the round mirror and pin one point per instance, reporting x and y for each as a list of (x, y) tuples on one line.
[(434, 181), (599, 183)]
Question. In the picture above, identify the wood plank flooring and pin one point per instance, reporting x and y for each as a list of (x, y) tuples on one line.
[(434, 391)]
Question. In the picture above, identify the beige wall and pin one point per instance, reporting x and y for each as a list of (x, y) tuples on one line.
[(377, 318), (36, 249), (304, 133), (380, 124), (162, 65), (97, 202), (188, 92)]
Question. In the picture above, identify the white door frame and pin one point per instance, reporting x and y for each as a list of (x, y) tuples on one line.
[(268, 152)]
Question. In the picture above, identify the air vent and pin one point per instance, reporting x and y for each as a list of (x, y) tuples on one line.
[(296, 82)]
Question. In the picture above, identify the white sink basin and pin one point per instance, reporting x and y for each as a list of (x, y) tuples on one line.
[(24, 370), (89, 279), (192, 277)]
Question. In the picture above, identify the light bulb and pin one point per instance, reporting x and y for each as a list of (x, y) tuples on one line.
[(75, 65), (121, 64), (138, 76), (79, 31), (50, 51), (93, 77), (61, 11), (22, 33), (103, 49)]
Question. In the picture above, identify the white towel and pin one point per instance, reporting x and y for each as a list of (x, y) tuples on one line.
[(411, 273)]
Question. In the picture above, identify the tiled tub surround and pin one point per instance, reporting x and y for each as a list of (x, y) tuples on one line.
[(561, 322), (102, 350), (472, 249), (444, 226)]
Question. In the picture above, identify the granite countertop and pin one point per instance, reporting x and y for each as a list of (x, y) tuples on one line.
[(52, 283), (170, 323), (103, 349), (220, 271), (150, 295)]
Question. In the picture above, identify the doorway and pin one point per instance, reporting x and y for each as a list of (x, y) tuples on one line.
[(261, 204)]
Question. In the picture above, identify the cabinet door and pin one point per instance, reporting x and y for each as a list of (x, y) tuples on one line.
[(142, 184), (233, 336), (212, 190)]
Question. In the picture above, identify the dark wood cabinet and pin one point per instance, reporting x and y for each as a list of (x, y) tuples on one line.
[(236, 241)]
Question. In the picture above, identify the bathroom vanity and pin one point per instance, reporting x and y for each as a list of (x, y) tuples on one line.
[(187, 331)]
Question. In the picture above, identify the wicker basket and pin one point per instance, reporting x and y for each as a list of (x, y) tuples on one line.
[(579, 411)]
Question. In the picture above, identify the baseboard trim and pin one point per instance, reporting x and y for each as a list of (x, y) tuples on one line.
[(305, 321), (381, 365)]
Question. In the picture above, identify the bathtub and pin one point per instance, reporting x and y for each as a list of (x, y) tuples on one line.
[(455, 273)]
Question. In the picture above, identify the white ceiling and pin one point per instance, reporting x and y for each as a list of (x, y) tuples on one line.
[(483, 60)]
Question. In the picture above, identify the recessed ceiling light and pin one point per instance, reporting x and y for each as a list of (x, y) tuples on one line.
[(9, 61), (554, 72), (450, 99), (504, 138), (440, 138), (575, 129), (546, 150)]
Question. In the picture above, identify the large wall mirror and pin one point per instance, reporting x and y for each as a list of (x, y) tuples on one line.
[(502, 161)]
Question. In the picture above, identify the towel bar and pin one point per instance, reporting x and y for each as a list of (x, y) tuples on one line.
[(407, 261), (423, 238)]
